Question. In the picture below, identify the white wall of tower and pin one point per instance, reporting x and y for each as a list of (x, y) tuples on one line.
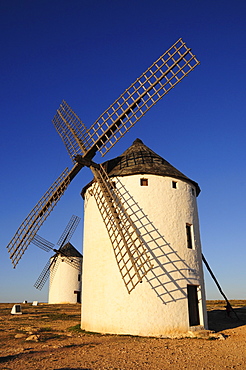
[(158, 305), (65, 280)]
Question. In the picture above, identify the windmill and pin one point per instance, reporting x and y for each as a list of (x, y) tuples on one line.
[(82, 144), (65, 278), (162, 233)]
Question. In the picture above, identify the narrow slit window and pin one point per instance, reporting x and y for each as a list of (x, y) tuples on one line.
[(174, 184), (189, 236), (144, 182), (79, 277)]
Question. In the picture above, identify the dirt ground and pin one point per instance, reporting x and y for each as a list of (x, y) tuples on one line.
[(48, 337)]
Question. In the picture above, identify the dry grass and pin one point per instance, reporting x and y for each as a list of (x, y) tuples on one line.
[(58, 343)]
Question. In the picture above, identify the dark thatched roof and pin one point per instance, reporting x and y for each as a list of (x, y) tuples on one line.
[(69, 250), (139, 159)]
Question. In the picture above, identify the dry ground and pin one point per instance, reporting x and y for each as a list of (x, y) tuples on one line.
[(57, 343)]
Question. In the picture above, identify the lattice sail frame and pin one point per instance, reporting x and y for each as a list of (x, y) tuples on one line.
[(175, 64), (71, 130), (69, 231), (130, 252), (51, 266), (150, 87), (46, 272), (54, 261), (64, 238), (146, 91), (43, 243), (36, 217)]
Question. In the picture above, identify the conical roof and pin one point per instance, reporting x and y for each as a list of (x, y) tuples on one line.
[(69, 251), (139, 159)]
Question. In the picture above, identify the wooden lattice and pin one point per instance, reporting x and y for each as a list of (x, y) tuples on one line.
[(150, 87), (69, 230), (47, 272), (43, 243), (71, 129), (36, 217), (168, 70), (129, 250)]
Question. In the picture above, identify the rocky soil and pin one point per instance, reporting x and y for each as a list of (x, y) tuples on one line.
[(49, 337)]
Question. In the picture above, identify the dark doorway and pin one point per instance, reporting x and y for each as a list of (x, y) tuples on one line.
[(193, 305), (78, 296)]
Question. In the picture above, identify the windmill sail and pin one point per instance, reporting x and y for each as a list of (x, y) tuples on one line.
[(51, 266), (36, 217), (43, 243), (63, 252), (168, 70), (69, 231), (45, 273), (130, 253), (146, 91), (71, 130)]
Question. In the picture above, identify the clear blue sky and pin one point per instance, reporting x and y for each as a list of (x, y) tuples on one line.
[(88, 53)]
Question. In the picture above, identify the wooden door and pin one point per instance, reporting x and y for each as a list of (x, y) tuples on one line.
[(193, 305)]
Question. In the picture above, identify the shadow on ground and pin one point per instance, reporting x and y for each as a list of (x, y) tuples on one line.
[(219, 320)]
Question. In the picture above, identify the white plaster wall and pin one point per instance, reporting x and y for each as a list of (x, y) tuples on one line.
[(64, 281), (158, 305)]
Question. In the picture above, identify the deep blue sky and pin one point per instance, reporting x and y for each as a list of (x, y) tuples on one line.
[(88, 53)]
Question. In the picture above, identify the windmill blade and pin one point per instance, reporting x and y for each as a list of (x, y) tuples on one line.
[(71, 129), (130, 253), (43, 277), (32, 223), (50, 268), (166, 72), (43, 243), (69, 230), (146, 91), (150, 87)]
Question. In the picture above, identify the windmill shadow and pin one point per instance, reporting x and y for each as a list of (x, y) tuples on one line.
[(168, 275), (218, 319)]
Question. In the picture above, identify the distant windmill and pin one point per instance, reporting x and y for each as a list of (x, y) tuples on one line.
[(133, 255), (65, 278)]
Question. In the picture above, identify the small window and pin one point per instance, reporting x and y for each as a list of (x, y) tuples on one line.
[(189, 235), (192, 191), (144, 182), (79, 277), (174, 184)]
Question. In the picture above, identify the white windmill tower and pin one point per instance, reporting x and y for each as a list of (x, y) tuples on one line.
[(132, 245), (64, 268), (161, 202), (66, 273)]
